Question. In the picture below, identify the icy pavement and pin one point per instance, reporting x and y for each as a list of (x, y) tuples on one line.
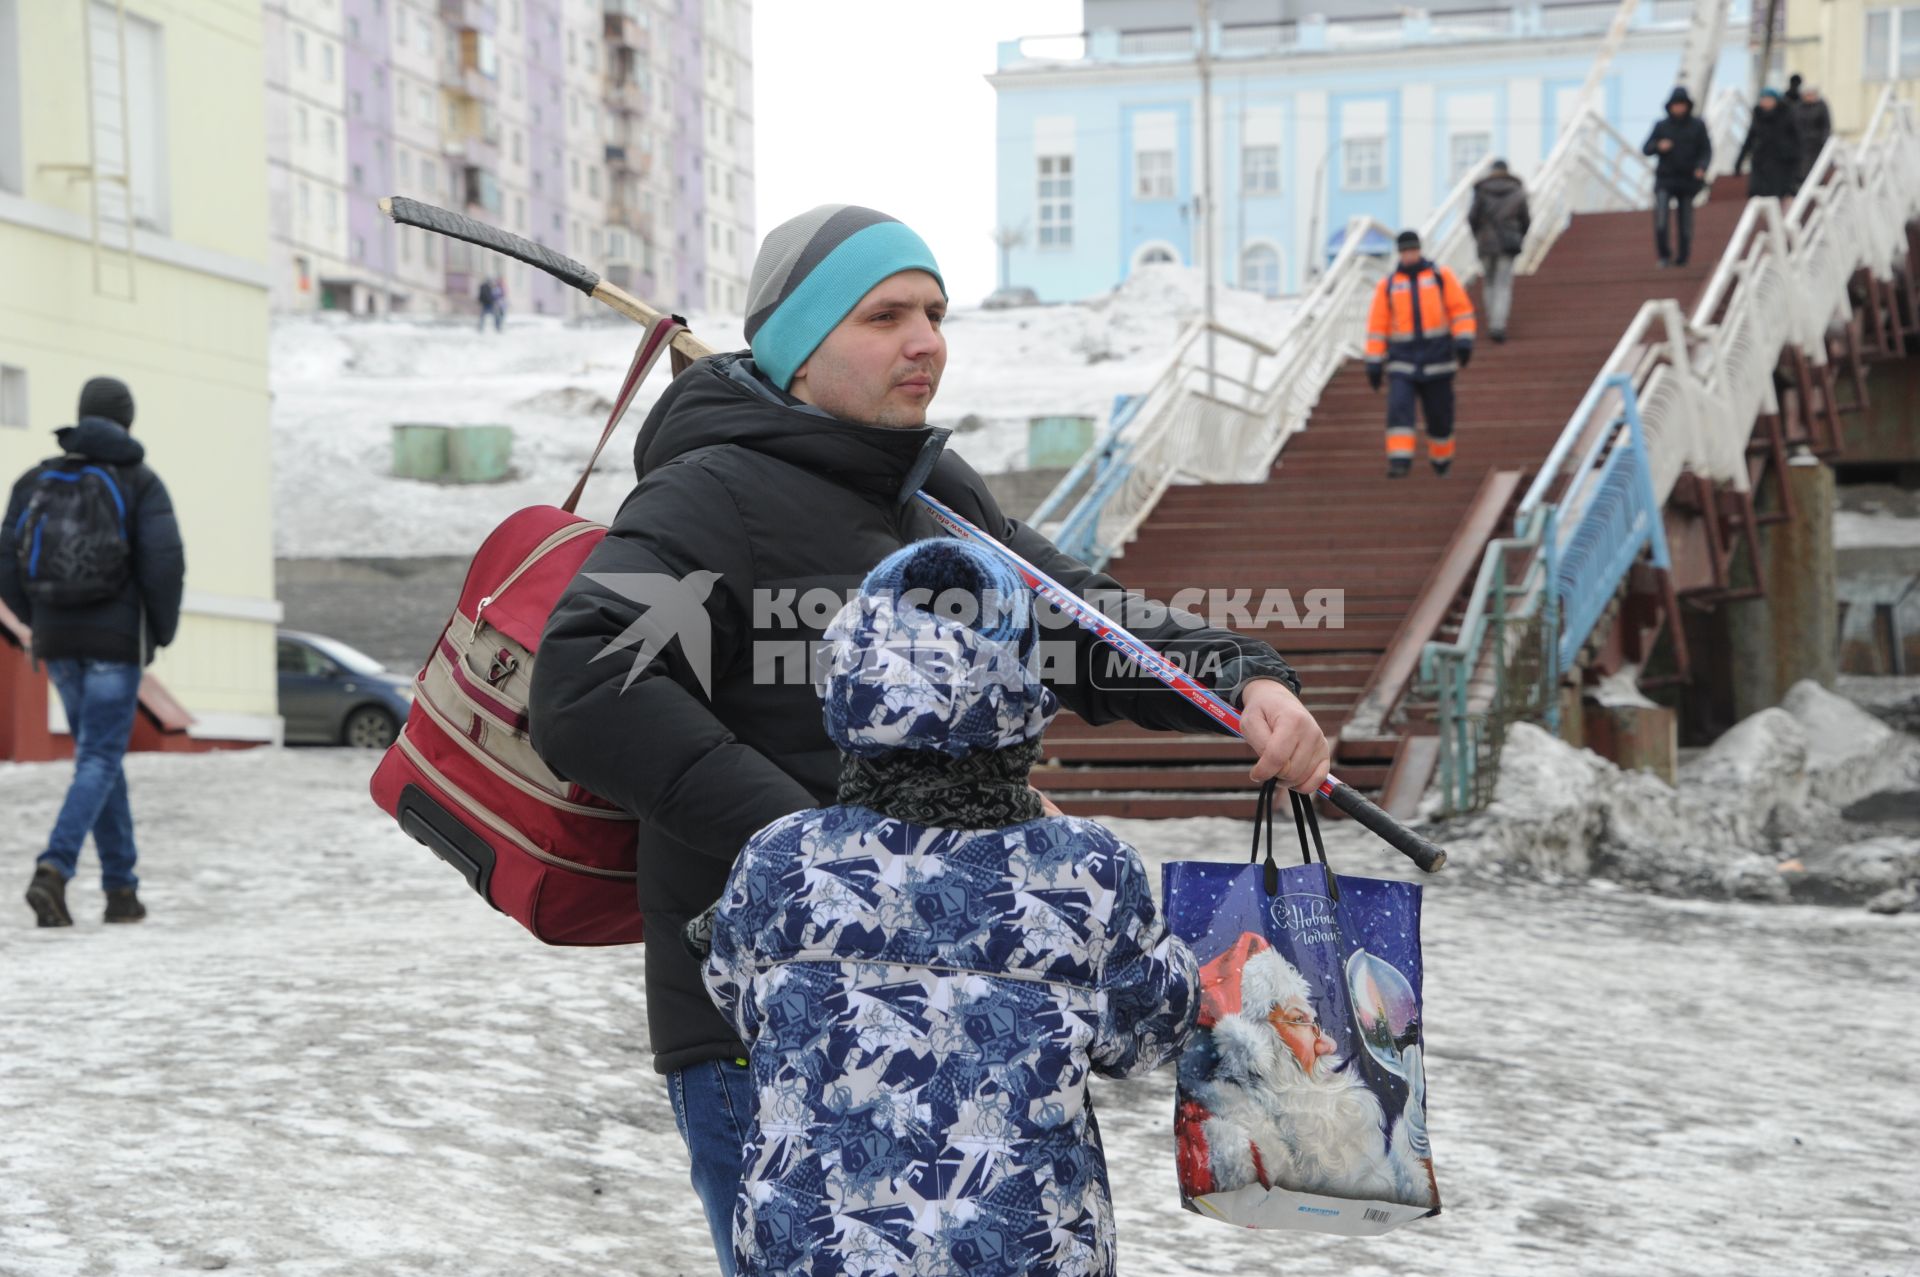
[(322, 1055), (340, 384)]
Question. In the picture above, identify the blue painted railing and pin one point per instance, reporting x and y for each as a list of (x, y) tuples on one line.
[(1107, 463), (1540, 592)]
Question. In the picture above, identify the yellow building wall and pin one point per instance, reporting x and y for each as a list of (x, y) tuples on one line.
[(191, 342), (1826, 43)]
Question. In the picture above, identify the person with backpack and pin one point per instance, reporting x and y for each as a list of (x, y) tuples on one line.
[(1499, 220), (91, 561), (770, 481), (928, 973)]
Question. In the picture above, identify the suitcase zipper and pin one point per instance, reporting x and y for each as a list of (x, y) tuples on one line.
[(476, 812), (507, 773), (554, 541)]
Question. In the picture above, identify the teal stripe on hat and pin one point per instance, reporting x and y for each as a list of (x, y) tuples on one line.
[(831, 290)]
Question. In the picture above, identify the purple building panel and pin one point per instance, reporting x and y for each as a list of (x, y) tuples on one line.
[(688, 199), (369, 85), (547, 143)]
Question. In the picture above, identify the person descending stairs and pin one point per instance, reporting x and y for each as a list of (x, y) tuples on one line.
[(1419, 334)]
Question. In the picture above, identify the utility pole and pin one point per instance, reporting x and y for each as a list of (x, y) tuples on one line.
[(1206, 172)]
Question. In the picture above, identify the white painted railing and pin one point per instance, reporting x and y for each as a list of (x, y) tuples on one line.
[(1701, 379), (1228, 401)]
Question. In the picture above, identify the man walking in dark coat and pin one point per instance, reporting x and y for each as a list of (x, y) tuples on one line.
[(1499, 219), (90, 559), (1682, 151), (776, 478), (1773, 147), (1816, 126)]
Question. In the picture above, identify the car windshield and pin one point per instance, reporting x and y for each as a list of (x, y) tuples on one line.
[(347, 658)]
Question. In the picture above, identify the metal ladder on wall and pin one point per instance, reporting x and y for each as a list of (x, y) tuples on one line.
[(108, 171)]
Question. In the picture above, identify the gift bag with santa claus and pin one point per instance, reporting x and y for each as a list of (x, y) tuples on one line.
[(1302, 1099)]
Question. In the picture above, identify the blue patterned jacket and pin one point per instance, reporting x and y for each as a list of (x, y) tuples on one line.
[(923, 1008)]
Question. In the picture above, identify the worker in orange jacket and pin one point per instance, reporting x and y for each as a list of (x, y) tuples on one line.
[(1419, 334)]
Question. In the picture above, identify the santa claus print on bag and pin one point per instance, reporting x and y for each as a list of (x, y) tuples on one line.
[(1303, 1093)]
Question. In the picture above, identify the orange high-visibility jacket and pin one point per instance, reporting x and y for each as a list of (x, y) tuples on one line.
[(1419, 315)]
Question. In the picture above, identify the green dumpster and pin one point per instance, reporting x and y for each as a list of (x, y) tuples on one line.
[(419, 450), (1054, 443), (479, 454)]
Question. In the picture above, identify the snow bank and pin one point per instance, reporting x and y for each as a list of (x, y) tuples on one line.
[(340, 384), (1758, 816)]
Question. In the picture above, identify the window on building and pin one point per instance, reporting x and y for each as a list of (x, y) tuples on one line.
[(300, 49), (1153, 175), (518, 142), (1892, 50), (1363, 165), (301, 124), (359, 179), (333, 210), (426, 40), (331, 132), (355, 103), (593, 180), (1056, 201), (326, 62), (573, 166), (13, 396), (427, 242), (359, 248), (1260, 170), (353, 28), (1260, 270), (426, 105), (593, 243), (406, 244), (306, 201), (406, 168), (1464, 150), (140, 154)]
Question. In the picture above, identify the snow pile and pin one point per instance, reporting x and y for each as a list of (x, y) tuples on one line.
[(340, 384), (1758, 816), (323, 1056)]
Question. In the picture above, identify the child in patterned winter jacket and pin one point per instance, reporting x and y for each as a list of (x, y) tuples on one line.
[(927, 973)]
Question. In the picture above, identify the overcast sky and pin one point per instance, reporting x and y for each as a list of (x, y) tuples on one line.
[(884, 103)]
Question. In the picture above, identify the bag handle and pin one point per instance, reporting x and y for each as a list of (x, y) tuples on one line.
[(658, 337), (1305, 822)]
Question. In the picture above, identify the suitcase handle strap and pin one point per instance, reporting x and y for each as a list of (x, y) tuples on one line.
[(1305, 823), (658, 337)]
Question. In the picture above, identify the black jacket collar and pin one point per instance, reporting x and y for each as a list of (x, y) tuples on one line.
[(717, 402)]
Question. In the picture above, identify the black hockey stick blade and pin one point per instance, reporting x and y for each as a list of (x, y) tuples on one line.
[(447, 222)]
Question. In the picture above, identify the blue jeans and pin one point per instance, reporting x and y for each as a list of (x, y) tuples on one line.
[(100, 698), (713, 1102)]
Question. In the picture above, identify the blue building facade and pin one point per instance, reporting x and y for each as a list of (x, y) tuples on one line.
[(1315, 120)]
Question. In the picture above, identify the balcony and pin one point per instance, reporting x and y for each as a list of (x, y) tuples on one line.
[(624, 32), (628, 98), (628, 161)]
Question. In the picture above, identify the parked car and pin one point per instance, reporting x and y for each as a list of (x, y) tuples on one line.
[(331, 694), (1010, 298)]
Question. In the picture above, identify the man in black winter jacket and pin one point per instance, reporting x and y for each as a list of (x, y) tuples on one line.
[(95, 650), (770, 482), (1682, 151), (1772, 147)]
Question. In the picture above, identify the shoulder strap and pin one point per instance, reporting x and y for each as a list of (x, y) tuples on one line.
[(658, 337)]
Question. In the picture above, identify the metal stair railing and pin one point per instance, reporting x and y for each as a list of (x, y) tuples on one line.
[(1229, 421), (1686, 389)]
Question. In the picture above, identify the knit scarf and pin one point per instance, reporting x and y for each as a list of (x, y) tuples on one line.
[(984, 790)]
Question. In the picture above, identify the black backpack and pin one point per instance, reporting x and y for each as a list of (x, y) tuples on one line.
[(71, 541)]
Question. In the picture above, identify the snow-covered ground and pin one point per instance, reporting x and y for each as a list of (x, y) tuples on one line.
[(340, 384), (322, 1055)]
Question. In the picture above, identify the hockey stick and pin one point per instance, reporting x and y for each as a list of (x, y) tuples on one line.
[(1349, 800), (441, 221), (1342, 795)]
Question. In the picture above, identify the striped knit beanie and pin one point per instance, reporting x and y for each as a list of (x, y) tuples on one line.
[(812, 270)]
